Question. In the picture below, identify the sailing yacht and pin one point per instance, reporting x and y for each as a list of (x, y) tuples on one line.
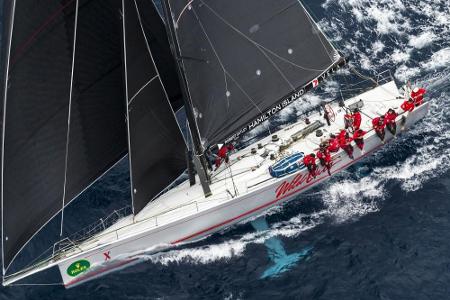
[(87, 82)]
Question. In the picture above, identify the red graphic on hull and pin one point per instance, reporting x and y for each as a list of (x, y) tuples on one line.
[(299, 180)]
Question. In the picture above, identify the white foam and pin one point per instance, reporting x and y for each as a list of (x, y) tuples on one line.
[(438, 60), (422, 40)]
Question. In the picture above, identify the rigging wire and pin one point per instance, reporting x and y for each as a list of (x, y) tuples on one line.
[(226, 73)]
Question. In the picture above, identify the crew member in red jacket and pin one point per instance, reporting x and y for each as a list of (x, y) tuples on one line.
[(223, 154), (345, 143), (390, 117), (333, 144), (417, 95), (378, 124), (310, 162), (356, 119), (408, 105), (358, 137), (348, 120), (324, 157)]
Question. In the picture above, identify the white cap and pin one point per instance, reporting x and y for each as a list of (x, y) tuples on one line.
[(416, 89)]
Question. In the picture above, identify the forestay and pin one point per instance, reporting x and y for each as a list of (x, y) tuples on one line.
[(245, 60), (156, 145)]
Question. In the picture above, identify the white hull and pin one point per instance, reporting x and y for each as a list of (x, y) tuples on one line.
[(183, 215)]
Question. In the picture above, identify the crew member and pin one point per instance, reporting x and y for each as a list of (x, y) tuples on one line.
[(417, 95), (378, 124), (358, 137), (333, 144), (348, 120), (345, 143), (324, 157), (408, 105), (310, 162), (223, 154), (390, 117), (356, 119)]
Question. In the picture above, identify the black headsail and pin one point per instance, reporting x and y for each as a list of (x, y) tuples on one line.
[(246, 60), (156, 145), (64, 110)]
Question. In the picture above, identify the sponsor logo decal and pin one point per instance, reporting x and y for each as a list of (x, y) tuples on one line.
[(300, 180), (295, 95), (78, 267)]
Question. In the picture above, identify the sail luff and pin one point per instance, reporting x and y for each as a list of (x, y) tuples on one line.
[(13, 10), (199, 159), (69, 115), (126, 102), (156, 142)]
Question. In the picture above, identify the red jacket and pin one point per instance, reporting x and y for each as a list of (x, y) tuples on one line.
[(309, 160), (222, 153), (344, 141), (356, 120), (407, 106), (418, 96), (359, 134), (390, 117), (333, 145), (376, 125), (325, 155)]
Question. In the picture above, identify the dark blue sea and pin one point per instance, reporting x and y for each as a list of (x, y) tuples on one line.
[(379, 230)]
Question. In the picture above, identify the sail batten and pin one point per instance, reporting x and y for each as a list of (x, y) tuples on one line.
[(246, 57)]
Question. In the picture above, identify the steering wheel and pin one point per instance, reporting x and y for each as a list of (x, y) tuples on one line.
[(330, 112)]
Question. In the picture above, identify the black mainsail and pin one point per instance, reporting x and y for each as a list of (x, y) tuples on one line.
[(246, 59), (156, 145), (49, 154)]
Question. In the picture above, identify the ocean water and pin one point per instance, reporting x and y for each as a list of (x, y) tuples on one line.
[(379, 230)]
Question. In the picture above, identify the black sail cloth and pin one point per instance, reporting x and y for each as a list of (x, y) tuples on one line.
[(241, 57), (156, 145), (37, 138)]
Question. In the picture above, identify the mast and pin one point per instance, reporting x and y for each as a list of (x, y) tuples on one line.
[(199, 156)]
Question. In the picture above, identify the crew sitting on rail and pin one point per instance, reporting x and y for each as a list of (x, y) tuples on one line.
[(345, 143), (356, 119), (324, 157), (348, 120), (333, 143), (390, 117), (358, 137), (223, 154), (417, 95), (408, 105), (310, 163), (378, 124)]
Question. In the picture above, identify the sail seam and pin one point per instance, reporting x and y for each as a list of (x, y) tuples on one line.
[(69, 116), (157, 71), (3, 131), (126, 99), (140, 90)]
